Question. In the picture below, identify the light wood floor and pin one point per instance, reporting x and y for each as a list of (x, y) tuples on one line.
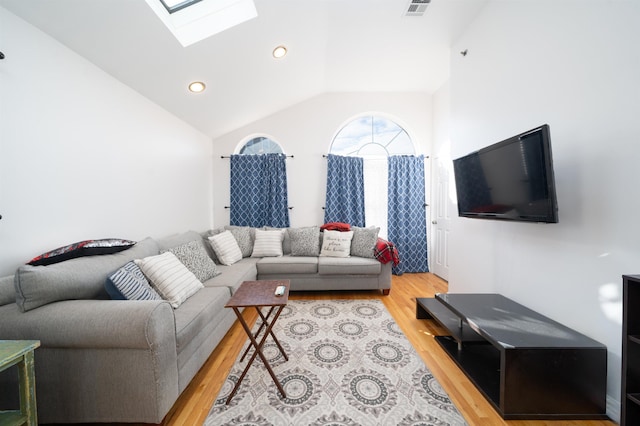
[(195, 402)]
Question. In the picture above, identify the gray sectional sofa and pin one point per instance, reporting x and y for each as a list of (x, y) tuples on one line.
[(104, 360)]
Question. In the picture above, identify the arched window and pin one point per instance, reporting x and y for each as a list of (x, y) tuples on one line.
[(372, 135), (373, 145), (261, 145)]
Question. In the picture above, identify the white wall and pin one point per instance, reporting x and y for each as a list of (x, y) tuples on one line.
[(84, 157), (575, 66), (306, 130)]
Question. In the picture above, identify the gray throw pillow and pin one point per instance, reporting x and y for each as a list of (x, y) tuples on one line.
[(244, 236), (305, 241), (364, 241), (194, 256)]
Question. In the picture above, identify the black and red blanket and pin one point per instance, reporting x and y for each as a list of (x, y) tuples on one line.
[(385, 251)]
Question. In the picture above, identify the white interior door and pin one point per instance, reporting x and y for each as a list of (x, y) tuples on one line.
[(441, 220)]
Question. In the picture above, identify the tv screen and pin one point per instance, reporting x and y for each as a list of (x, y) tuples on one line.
[(509, 180)]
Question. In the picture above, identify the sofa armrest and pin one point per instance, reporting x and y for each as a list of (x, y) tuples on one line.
[(100, 361), (92, 324)]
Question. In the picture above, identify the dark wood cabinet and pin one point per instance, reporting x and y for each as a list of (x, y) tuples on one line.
[(526, 365), (630, 395)]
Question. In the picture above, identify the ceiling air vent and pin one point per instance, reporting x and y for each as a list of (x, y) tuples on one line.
[(417, 7)]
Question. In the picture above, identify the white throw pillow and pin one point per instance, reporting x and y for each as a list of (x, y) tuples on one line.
[(226, 247), (336, 243), (169, 277), (268, 243)]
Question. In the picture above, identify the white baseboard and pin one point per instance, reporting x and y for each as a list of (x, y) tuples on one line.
[(613, 409)]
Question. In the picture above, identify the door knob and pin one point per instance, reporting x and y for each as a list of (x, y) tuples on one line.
[(435, 222)]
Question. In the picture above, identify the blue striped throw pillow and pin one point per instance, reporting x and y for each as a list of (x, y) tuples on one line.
[(129, 283)]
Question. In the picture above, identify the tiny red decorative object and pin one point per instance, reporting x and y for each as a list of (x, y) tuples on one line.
[(336, 226)]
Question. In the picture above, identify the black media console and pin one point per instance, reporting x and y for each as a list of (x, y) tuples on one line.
[(526, 365)]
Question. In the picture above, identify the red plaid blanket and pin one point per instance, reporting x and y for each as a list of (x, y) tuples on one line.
[(336, 226), (385, 251)]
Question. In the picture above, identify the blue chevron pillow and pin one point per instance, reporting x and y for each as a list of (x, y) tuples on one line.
[(129, 283)]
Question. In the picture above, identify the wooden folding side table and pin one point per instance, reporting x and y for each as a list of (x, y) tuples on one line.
[(20, 353), (259, 294)]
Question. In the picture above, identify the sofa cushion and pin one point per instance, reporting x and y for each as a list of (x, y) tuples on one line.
[(7, 290), (80, 278), (233, 275), (171, 279), (268, 243), (336, 243), (226, 247), (81, 248), (305, 241), (288, 265), (194, 256), (194, 314), (348, 266), (129, 283), (364, 241)]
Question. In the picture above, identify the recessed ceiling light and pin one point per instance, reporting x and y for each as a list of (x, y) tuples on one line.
[(197, 87), (279, 52)]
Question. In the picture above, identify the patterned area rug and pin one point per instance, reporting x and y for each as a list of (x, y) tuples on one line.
[(349, 365)]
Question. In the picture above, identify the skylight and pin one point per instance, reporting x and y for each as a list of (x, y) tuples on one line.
[(193, 20), (176, 5)]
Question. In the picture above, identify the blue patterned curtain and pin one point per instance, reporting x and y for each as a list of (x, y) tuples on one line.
[(406, 212), (276, 202), (345, 190), (259, 190)]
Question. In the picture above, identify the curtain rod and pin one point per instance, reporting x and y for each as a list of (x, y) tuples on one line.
[(326, 156), (228, 156), (290, 207), (424, 205)]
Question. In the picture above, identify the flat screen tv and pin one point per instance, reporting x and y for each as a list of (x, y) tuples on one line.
[(509, 180)]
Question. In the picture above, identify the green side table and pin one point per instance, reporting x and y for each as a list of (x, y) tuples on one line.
[(20, 353)]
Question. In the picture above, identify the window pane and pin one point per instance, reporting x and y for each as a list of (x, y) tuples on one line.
[(352, 136), (402, 145), (261, 145), (372, 136), (372, 150), (384, 131), (376, 173)]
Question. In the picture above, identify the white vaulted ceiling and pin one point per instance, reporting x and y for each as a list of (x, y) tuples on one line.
[(333, 46)]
